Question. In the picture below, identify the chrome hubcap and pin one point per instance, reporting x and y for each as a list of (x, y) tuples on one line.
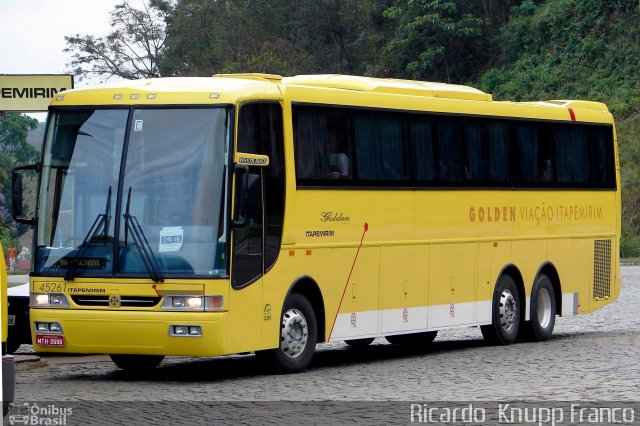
[(544, 308), (508, 310), (295, 333)]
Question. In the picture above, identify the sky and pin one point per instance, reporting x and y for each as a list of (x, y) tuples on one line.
[(32, 33)]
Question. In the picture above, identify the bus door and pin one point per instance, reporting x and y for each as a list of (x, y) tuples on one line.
[(258, 218)]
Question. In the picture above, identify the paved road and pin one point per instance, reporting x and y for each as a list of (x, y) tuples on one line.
[(591, 358)]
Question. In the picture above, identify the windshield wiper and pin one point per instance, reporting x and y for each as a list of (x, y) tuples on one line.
[(101, 222), (142, 244)]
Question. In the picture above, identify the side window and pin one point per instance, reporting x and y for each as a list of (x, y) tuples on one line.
[(449, 153), (424, 155), (533, 161), (564, 155), (322, 146), (339, 146), (486, 147), (572, 155), (257, 244), (603, 163), (381, 149)]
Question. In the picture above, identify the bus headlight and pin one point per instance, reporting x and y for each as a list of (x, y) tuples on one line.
[(186, 302), (194, 303), (49, 300)]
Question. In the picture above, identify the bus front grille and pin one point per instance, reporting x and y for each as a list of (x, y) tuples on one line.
[(125, 301), (602, 269)]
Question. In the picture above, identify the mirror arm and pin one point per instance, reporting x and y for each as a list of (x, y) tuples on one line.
[(240, 218)]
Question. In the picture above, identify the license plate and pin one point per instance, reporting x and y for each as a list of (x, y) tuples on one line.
[(49, 340), (12, 320)]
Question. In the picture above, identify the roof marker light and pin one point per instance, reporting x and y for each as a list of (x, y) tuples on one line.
[(214, 95), (151, 96), (117, 97), (134, 96), (60, 98)]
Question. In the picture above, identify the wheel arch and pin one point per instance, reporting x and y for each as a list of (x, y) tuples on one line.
[(549, 269), (307, 287)]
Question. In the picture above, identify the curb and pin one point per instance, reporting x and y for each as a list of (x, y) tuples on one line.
[(25, 358)]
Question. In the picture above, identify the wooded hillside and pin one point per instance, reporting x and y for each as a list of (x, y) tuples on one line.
[(515, 49)]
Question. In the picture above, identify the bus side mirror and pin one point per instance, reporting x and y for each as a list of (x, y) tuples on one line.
[(17, 194)]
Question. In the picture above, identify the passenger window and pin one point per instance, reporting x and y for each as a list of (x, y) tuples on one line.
[(380, 147), (423, 150), (533, 164), (449, 154), (603, 164), (322, 146), (486, 148), (572, 154)]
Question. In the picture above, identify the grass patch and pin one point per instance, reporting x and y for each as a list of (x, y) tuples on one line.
[(9, 285), (629, 246)]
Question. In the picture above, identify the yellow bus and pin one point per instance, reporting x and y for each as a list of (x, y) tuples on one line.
[(256, 213), (8, 370)]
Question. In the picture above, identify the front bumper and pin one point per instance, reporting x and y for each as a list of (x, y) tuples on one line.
[(132, 332)]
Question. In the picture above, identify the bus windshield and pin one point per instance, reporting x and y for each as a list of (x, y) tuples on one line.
[(134, 192)]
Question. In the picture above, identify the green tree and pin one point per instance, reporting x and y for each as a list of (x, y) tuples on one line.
[(433, 40), (194, 44), (14, 151), (579, 49), (272, 36), (131, 50), (570, 49), (13, 139)]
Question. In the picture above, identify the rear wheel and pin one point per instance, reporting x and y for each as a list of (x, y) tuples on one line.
[(298, 337), (413, 339), (137, 362), (359, 343), (505, 313), (543, 309)]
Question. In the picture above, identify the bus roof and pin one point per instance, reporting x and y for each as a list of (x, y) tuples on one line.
[(389, 86), (230, 88)]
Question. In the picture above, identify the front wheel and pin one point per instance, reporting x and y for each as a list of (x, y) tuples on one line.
[(505, 314), (13, 344), (137, 363), (298, 337)]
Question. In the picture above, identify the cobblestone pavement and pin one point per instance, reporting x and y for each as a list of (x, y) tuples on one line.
[(590, 358)]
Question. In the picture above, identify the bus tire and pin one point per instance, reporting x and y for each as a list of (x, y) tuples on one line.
[(298, 337), (413, 339), (505, 316), (543, 310), (137, 362), (359, 343), (13, 345)]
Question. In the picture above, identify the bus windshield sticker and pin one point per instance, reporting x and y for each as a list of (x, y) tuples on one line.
[(171, 239), (81, 262), (138, 125)]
